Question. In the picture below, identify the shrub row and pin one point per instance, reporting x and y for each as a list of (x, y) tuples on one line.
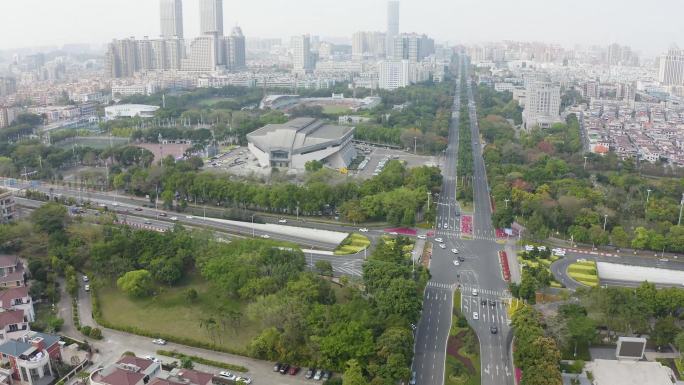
[(203, 361)]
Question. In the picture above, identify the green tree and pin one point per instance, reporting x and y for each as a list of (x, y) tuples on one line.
[(353, 375), (619, 237), (313, 166), (324, 267), (50, 218), (664, 331), (136, 283)]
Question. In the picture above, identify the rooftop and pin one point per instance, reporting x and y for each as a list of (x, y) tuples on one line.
[(142, 363), (610, 372), (11, 317), (7, 295), (297, 134), (122, 377), (195, 377)]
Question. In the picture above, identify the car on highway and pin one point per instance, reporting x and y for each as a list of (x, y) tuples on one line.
[(476, 316), (309, 373), (174, 218), (162, 214), (363, 230), (282, 221), (159, 341), (421, 236), (439, 225), (412, 381), (138, 209), (393, 233), (265, 236), (455, 251), (461, 259), (492, 303), (558, 252), (148, 222), (664, 260), (442, 246), (474, 292), (493, 329), (439, 240), (189, 217), (457, 263), (227, 375), (483, 302)]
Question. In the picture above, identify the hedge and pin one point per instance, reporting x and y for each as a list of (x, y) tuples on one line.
[(203, 361), (97, 315)]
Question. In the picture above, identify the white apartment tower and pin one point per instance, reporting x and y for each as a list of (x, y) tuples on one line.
[(301, 54), (393, 74), (171, 13), (542, 107), (672, 68), (211, 17), (392, 26)]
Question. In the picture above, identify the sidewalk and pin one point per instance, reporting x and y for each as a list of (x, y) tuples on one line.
[(514, 266)]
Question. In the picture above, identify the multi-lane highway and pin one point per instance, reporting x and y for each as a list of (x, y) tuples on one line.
[(478, 276)]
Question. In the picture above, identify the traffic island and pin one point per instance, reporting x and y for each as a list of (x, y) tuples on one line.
[(584, 272), (462, 366)]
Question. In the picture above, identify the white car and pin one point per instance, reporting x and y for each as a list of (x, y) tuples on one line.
[(393, 233), (442, 246), (85, 278), (542, 248), (265, 236), (421, 237), (86, 287), (455, 251), (474, 293), (282, 221), (439, 225), (457, 263), (246, 380), (159, 341), (559, 252), (476, 316), (174, 218), (190, 217), (529, 247), (363, 230), (228, 375), (439, 240), (446, 225), (153, 359)]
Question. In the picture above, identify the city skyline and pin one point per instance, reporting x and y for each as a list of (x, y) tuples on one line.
[(498, 20)]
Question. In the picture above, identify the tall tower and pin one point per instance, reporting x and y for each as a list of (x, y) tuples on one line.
[(211, 17), (301, 53), (171, 13), (392, 25)]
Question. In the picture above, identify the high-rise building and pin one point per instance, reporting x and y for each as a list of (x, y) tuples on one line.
[(211, 17), (393, 74), (671, 71), (542, 105), (412, 47), (204, 54), (392, 26), (127, 56), (301, 53), (121, 59), (171, 14), (8, 86), (236, 52), (368, 45)]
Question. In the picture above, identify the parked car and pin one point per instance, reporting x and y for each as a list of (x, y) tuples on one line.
[(412, 381), (276, 367), (151, 358), (85, 278), (293, 370), (318, 375), (309, 373), (326, 375), (246, 380), (86, 287), (265, 236), (393, 233), (159, 341), (228, 375), (284, 368)]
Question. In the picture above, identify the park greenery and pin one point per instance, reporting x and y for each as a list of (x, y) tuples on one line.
[(290, 313), (536, 354), (538, 179)]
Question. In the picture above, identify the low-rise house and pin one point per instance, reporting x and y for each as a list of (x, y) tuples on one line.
[(11, 271), (30, 358), (13, 324), (18, 298), (128, 370)]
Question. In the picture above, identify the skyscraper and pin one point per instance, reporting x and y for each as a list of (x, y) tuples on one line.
[(412, 47), (392, 25), (171, 13), (211, 17), (301, 53), (671, 72), (237, 49)]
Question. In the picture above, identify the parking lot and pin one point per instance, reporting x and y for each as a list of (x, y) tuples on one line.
[(238, 161), (377, 158)]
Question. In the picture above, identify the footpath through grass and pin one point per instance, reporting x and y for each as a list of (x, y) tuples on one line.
[(584, 272), (170, 313)]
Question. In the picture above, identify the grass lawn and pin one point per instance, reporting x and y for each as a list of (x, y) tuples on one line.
[(335, 109), (353, 244), (211, 101), (543, 262), (584, 273), (170, 313)]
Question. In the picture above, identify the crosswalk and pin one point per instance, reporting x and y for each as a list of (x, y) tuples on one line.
[(440, 285), (468, 289)]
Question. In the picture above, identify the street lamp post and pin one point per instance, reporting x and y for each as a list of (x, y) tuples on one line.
[(253, 235), (648, 194), (681, 206), (507, 200), (585, 162), (605, 221)]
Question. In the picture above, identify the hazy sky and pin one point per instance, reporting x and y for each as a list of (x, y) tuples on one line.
[(648, 26)]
